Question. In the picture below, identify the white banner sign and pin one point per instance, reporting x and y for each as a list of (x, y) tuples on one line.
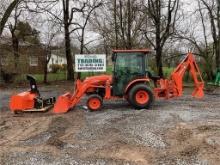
[(90, 63)]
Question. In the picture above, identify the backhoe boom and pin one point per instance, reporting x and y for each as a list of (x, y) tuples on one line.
[(173, 87)]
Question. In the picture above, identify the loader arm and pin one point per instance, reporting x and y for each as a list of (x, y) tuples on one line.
[(173, 87), (70, 100)]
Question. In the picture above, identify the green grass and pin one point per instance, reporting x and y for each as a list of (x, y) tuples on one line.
[(167, 71), (62, 75), (40, 77), (59, 76)]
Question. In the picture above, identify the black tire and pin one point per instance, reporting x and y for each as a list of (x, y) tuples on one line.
[(97, 98), (134, 91), (127, 99)]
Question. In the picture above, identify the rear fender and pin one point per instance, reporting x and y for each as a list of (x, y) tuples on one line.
[(134, 82)]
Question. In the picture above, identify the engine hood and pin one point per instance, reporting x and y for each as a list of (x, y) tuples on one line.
[(99, 80)]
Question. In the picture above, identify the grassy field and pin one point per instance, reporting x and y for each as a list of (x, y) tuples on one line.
[(167, 71), (40, 77), (59, 76)]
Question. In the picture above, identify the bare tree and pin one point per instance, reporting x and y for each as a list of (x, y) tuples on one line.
[(50, 36), (116, 24), (213, 8), (127, 20), (63, 13), (129, 46), (205, 18), (7, 14), (68, 13), (86, 16), (14, 37), (131, 21), (162, 16)]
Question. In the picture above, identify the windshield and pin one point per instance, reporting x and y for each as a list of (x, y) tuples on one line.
[(130, 63)]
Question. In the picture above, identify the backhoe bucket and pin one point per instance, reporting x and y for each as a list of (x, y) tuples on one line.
[(63, 104), (198, 92)]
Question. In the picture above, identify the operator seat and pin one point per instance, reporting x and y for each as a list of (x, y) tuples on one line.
[(153, 77)]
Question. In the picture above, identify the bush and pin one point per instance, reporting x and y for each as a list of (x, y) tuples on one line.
[(167, 71), (8, 77), (55, 68), (64, 67)]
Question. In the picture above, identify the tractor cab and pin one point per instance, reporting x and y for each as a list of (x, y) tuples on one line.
[(128, 65)]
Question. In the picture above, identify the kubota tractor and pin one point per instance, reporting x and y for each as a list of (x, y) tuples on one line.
[(130, 80)]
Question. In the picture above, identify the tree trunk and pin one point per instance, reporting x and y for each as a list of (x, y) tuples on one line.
[(69, 58), (45, 72), (81, 49), (208, 67), (159, 62), (159, 50), (82, 41), (116, 24), (123, 45), (47, 60), (1, 71), (7, 15), (218, 44), (3, 22), (15, 45), (217, 55), (70, 73), (129, 45)]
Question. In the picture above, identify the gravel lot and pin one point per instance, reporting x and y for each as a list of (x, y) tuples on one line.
[(182, 131)]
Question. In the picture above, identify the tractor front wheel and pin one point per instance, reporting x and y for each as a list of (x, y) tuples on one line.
[(94, 102), (140, 96)]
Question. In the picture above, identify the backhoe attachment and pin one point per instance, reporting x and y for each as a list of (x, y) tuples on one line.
[(173, 87)]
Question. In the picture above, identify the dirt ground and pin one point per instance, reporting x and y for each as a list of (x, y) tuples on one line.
[(182, 131)]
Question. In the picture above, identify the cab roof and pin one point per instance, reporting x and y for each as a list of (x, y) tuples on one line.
[(145, 51)]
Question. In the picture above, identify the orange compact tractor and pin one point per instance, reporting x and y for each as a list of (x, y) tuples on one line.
[(130, 80), (31, 100)]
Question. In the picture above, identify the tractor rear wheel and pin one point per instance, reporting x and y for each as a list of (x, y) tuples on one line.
[(140, 96), (94, 102)]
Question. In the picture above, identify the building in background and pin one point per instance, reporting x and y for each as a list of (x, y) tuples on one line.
[(31, 58), (56, 59)]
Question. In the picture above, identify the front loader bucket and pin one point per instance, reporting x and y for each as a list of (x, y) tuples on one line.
[(198, 92), (63, 104)]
